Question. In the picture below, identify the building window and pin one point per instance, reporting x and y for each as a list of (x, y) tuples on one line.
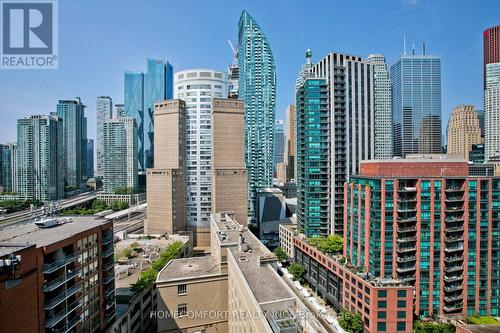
[(401, 304), (382, 304), (382, 315), (401, 293), (182, 310), (382, 293), (182, 289), (381, 326), (401, 326), (401, 314)]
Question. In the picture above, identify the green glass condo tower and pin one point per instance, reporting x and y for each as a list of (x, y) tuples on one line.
[(257, 88), (313, 157)]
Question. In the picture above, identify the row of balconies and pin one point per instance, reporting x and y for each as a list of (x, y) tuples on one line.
[(62, 296), (59, 281), (51, 321), (55, 265)]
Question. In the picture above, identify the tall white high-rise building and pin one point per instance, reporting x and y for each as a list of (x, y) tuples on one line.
[(197, 87), (492, 112), (103, 110), (120, 154), (382, 108)]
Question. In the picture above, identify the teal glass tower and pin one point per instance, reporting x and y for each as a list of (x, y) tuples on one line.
[(72, 113), (142, 90), (257, 88), (313, 157)]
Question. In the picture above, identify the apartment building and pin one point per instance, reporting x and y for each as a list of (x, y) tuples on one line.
[(57, 276), (427, 223)]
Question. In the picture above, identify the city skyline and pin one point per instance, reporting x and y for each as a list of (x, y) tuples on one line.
[(458, 45)]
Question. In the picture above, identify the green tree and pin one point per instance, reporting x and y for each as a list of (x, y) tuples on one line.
[(433, 327), (280, 253), (148, 277), (298, 271), (330, 244), (351, 322)]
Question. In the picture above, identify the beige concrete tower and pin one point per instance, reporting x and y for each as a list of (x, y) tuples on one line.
[(290, 146), (463, 130), (229, 175), (166, 181)]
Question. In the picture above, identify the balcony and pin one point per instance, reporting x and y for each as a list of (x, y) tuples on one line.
[(454, 258), (51, 321), (407, 229), (454, 219), (405, 200), (451, 249), (407, 239), (51, 285), (406, 259), (108, 279), (406, 220), (407, 189), (407, 279), (454, 199), (406, 269), (453, 239), (53, 302), (453, 298), (109, 292), (406, 249), (407, 209), (454, 229), (454, 190), (455, 268), (54, 266), (453, 287), (108, 252), (108, 239), (453, 307), (453, 278), (109, 316), (454, 209), (69, 326)]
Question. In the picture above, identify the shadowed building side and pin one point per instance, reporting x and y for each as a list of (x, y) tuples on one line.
[(166, 182)]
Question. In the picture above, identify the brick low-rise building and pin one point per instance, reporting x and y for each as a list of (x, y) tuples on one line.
[(57, 277), (385, 305)]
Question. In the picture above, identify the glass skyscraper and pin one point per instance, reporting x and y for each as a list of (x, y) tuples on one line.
[(313, 157), (142, 90), (103, 110), (7, 172), (257, 88), (72, 113), (279, 142), (40, 161), (416, 104)]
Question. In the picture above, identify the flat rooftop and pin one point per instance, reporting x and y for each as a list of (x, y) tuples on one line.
[(265, 284), (186, 268), (20, 235), (252, 260), (482, 328), (127, 271)]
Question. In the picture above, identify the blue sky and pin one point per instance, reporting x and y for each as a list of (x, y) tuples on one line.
[(98, 40)]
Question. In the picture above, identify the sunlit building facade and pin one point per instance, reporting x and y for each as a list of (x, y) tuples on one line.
[(257, 88), (197, 87)]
